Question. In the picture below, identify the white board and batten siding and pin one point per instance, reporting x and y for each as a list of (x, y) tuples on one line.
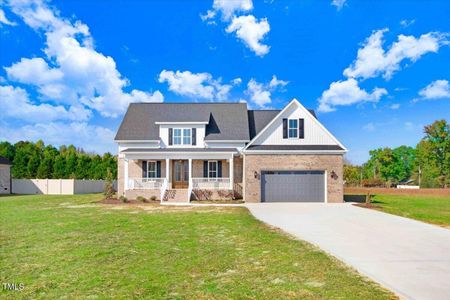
[(58, 186), (315, 133)]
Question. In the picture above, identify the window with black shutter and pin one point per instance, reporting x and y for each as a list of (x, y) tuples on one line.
[(194, 136), (170, 136), (301, 128)]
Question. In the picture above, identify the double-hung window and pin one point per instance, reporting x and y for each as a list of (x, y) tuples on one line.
[(293, 128), (187, 136), (177, 138), (151, 169), (212, 169), (182, 136)]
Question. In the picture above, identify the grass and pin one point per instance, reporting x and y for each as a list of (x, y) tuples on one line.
[(434, 210), (68, 246)]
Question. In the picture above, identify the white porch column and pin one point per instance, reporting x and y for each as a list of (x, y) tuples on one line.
[(125, 170), (231, 172), (167, 170), (190, 173)]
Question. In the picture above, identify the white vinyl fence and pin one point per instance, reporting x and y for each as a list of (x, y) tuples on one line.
[(58, 186)]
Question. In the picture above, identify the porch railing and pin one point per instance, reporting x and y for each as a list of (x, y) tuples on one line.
[(211, 183), (146, 183)]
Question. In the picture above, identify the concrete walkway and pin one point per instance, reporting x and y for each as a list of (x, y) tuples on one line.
[(410, 258)]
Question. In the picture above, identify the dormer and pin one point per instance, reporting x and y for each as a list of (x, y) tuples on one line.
[(182, 134)]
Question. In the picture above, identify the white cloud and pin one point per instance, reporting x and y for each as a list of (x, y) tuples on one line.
[(373, 60), (237, 81), (395, 106), (228, 8), (247, 28), (15, 103), (210, 14), (33, 71), (89, 137), (409, 126), (339, 4), (437, 89), (347, 92), (260, 94), (369, 127), (5, 20), (406, 23), (78, 73), (195, 85), (276, 82), (251, 32)]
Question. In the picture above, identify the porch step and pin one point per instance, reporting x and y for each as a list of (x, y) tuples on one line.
[(176, 195)]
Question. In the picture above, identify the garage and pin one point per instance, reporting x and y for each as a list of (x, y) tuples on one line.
[(292, 186)]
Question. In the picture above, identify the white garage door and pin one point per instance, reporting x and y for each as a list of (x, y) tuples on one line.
[(293, 186)]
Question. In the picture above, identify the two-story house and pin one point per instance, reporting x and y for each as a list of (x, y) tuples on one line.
[(183, 151)]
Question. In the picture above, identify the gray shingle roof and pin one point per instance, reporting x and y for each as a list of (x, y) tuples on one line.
[(295, 147), (227, 121), (4, 161)]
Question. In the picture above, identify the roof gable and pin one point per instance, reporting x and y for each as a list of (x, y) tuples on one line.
[(315, 132)]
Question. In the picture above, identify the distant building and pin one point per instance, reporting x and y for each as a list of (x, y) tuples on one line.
[(5, 176)]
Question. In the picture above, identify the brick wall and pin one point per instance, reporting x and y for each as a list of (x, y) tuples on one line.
[(293, 162)]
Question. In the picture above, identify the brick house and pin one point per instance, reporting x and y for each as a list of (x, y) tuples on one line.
[(183, 151)]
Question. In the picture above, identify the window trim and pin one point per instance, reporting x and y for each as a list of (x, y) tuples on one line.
[(289, 128), (216, 170), (185, 136), (149, 171), (182, 136)]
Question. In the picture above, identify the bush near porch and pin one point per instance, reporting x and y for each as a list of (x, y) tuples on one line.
[(70, 246)]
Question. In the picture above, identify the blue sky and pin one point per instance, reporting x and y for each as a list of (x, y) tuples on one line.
[(375, 72)]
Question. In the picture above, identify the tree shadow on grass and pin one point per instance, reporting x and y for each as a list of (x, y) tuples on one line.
[(360, 199)]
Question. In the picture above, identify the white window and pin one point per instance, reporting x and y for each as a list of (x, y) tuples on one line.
[(151, 169), (187, 136), (177, 136), (293, 128), (212, 169), (182, 136)]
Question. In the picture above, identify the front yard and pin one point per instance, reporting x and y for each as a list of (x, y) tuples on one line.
[(430, 209), (69, 246)]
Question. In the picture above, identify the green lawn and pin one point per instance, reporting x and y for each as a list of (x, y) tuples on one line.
[(435, 210), (68, 246)]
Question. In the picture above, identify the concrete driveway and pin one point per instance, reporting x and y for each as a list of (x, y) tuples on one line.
[(410, 258)]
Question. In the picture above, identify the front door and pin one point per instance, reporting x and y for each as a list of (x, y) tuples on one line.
[(180, 174)]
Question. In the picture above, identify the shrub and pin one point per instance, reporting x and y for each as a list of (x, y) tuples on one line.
[(373, 182), (109, 191), (140, 198), (123, 198), (153, 198)]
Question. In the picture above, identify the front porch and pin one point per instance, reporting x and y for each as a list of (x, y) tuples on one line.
[(181, 177)]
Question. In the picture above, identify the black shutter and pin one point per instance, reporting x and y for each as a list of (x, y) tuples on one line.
[(285, 129), (194, 136), (158, 169), (170, 136), (219, 169), (144, 169), (301, 128), (205, 169)]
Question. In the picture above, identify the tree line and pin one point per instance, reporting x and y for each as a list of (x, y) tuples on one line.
[(37, 160), (427, 164)]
